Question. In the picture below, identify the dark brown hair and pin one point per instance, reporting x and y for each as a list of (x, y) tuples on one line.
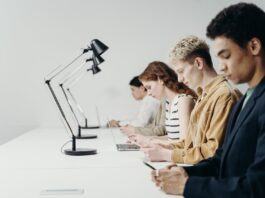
[(158, 70)]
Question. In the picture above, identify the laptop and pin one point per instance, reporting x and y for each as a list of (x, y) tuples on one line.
[(127, 147)]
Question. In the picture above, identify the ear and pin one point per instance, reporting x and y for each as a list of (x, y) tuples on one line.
[(142, 88), (198, 62), (160, 81), (254, 46)]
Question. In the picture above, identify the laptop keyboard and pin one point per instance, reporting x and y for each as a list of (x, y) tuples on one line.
[(128, 147)]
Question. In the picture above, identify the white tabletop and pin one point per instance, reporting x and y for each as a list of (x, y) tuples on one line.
[(33, 162)]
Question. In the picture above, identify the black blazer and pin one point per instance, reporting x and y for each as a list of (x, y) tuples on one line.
[(238, 167)]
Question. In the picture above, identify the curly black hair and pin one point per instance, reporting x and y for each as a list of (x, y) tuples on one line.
[(239, 22)]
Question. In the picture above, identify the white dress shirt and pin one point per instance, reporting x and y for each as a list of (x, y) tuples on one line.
[(146, 114)]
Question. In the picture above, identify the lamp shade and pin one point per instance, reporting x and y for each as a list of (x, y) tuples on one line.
[(95, 69), (98, 47), (99, 60)]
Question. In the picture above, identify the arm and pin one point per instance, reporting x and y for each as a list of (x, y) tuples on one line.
[(213, 135), (185, 106), (147, 111), (251, 184), (157, 128)]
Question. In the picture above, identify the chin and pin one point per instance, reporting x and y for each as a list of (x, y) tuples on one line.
[(236, 81), (156, 97)]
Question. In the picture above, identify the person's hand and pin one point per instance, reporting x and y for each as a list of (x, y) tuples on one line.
[(163, 145), (141, 140), (128, 130), (171, 180), (113, 123), (157, 153)]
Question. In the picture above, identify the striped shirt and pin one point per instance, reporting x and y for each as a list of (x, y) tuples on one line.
[(172, 118)]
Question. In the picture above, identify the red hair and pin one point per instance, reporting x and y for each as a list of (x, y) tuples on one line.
[(158, 70)]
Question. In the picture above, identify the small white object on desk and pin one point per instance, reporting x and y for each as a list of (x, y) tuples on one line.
[(62, 192)]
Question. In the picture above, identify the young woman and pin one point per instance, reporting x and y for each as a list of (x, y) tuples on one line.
[(148, 109), (161, 83)]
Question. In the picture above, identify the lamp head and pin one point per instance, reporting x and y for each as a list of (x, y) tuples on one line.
[(95, 69), (99, 60), (98, 47)]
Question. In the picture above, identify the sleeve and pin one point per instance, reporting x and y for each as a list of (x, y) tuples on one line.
[(214, 134), (185, 106), (210, 166), (251, 184), (157, 127), (146, 112)]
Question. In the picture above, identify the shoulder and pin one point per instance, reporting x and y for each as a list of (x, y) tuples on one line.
[(150, 102), (150, 99), (185, 100), (225, 91)]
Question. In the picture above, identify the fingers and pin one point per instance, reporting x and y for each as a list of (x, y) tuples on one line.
[(171, 166), (154, 175), (113, 123)]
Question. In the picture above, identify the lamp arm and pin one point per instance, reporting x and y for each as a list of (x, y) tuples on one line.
[(55, 72), (63, 68), (76, 103), (69, 103), (48, 83), (65, 79)]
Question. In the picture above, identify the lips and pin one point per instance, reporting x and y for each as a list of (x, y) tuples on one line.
[(227, 76)]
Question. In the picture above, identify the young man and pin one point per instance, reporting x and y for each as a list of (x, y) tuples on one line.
[(238, 167), (148, 109), (192, 62)]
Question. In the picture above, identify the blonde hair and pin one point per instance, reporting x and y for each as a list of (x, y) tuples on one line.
[(190, 47)]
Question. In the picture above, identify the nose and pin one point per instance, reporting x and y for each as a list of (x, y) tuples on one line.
[(149, 92), (223, 68), (181, 78)]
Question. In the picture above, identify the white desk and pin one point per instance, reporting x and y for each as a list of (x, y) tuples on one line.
[(34, 162)]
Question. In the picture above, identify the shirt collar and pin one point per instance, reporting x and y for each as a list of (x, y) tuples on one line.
[(210, 87)]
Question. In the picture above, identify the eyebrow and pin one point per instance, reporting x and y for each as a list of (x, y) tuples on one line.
[(180, 69)]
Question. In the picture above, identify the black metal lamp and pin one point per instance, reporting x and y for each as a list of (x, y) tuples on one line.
[(98, 48)]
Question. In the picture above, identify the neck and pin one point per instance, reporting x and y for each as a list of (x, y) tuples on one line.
[(257, 77), (208, 76), (144, 94), (170, 95)]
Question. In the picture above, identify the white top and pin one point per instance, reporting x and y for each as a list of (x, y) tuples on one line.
[(147, 112), (172, 121)]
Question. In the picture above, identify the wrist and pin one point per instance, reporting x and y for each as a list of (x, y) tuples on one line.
[(167, 155)]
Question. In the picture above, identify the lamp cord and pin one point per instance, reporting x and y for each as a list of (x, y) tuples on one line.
[(65, 145)]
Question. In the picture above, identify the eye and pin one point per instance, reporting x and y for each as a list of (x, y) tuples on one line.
[(180, 71), (226, 55)]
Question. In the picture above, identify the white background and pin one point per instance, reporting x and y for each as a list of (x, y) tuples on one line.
[(36, 36)]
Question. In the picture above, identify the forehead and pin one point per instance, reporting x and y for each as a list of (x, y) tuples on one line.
[(149, 83), (179, 64), (134, 87), (223, 43)]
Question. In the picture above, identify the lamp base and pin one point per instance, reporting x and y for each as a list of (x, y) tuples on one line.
[(90, 127), (80, 152), (89, 136)]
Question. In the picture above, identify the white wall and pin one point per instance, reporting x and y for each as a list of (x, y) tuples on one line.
[(36, 36)]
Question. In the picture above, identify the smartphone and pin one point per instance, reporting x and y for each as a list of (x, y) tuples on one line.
[(149, 165)]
